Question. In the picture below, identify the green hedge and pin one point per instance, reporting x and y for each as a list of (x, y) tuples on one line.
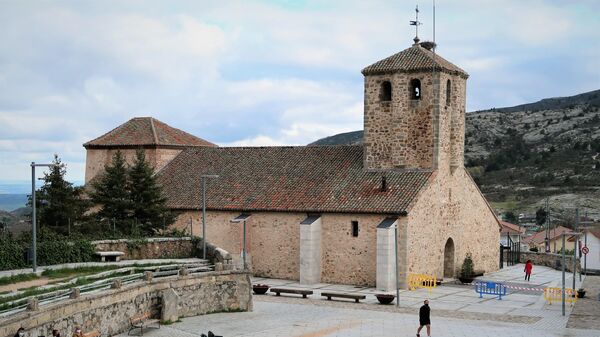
[(52, 249)]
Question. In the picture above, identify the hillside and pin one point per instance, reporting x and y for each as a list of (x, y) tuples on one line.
[(520, 155)]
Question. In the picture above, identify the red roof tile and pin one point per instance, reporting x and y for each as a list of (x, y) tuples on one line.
[(508, 227), (540, 237), (413, 59), (302, 179), (146, 131)]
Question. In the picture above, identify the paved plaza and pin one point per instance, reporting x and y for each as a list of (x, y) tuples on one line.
[(456, 311)]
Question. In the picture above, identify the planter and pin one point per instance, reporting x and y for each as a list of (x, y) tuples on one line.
[(385, 298), (260, 289), (466, 280), (580, 293)]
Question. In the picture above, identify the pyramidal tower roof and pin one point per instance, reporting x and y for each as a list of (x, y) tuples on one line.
[(146, 131), (414, 59)]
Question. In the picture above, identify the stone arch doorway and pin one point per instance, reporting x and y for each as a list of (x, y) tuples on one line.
[(449, 259)]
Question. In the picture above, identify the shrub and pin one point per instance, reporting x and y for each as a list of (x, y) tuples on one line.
[(466, 270)]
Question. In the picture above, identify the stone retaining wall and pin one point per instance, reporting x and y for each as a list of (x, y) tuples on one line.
[(108, 311), (548, 260), (153, 248)]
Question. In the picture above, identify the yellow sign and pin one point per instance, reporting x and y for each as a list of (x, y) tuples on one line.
[(416, 281)]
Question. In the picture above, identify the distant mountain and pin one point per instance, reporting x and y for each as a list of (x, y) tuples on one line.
[(9, 202), (519, 155)]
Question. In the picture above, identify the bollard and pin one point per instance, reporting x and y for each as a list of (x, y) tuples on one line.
[(116, 284), (184, 271), (75, 293), (33, 304), (218, 266), (148, 275)]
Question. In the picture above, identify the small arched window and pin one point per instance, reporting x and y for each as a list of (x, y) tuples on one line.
[(386, 91), (415, 89), (448, 93)]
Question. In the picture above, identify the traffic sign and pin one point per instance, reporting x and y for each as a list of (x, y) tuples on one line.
[(585, 250)]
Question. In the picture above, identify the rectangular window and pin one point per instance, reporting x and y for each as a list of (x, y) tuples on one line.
[(354, 228)]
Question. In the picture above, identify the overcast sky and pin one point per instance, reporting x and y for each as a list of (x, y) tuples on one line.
[(259, 72)]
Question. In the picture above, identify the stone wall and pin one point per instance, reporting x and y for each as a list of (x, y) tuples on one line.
[(548, 260), (97, 158), (407, 133), (108, 311), (273, 241), (451, 209), (153, 248)]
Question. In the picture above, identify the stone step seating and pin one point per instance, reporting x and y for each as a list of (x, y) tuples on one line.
[(355, 297), (303, 292)]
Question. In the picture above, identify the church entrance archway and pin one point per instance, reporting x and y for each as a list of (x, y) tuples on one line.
[(449, 259)]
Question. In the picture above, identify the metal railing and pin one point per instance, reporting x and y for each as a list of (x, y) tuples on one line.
[(102, 281)]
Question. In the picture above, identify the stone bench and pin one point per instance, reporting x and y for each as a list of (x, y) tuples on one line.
[(355, 297), (302, 292), (110, 256), (93, 333), (142, 321)]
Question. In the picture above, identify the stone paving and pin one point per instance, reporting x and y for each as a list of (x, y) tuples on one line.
[(456, 311), (586, 313)]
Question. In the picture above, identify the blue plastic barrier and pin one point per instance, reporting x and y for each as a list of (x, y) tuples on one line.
[(490, 288)]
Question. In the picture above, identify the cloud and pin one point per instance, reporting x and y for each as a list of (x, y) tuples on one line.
[(258, 73)]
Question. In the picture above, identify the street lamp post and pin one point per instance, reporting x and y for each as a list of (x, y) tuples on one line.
[(204, 177), (396, 264), (33, 215)]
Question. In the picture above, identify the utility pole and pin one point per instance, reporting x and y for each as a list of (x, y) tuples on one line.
[(575, 247), (396, 264), (564, 262)]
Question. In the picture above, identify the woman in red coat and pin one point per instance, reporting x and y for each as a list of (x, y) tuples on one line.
[(528, 269)]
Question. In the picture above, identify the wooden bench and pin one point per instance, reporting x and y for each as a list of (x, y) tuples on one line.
[(355, 297), (142, 321), (302, 292), (110, 256)]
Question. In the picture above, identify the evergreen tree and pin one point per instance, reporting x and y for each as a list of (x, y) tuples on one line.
[(59, 202), (110, 192), (147, 203)]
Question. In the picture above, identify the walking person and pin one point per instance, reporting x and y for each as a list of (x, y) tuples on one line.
[(424, 318), (528, 269)]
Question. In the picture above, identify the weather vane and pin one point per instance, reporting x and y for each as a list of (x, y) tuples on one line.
[(416, 23)]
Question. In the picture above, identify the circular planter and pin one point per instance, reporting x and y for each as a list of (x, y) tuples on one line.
[(466, 280), (385, 298), (580, 293), (260, 289)]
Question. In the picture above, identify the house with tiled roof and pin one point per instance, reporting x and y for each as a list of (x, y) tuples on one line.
[(334, 213), (538, 240)]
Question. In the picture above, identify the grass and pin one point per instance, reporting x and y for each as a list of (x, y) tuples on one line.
[(506, 205), (78, 271), (17, 278)]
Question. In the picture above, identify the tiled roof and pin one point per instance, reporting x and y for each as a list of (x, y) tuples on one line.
[(314, 179), (146, 131), (508, 227), (540, 237), (413, 59)]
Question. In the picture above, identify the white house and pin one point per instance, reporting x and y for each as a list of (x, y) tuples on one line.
[(593, 244)]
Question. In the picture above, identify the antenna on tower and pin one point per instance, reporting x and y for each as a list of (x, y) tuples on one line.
[(416, 23)]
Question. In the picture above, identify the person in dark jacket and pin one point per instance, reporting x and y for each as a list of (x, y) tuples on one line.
[(20, 332), (424, 318)]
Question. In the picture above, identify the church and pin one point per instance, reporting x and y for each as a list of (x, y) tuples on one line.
[(330, 213)]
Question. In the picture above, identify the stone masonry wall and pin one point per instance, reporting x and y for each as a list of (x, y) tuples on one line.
[(109, 311), (274, 243), (154, 248), (451, 208), (398, 133), (273, 239), (97, 159), (548, 260)]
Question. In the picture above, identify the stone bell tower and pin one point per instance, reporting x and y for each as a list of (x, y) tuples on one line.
[(414, 112)]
